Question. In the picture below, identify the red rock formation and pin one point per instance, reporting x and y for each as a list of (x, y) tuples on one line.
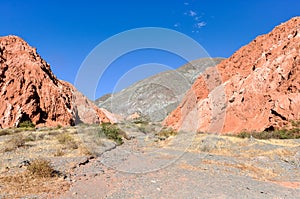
[(30, 91), (256, 89)]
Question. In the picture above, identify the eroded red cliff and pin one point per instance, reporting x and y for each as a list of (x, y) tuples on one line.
[(256, 89), (30, 91)]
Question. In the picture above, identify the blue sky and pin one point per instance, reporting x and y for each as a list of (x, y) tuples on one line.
[(64, 32)]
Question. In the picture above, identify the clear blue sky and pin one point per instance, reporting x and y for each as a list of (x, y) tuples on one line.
[(64, 32)]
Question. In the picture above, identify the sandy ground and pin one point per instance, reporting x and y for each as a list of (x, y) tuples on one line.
[(183, 166)]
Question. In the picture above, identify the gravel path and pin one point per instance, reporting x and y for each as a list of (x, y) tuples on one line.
[(208, 167)]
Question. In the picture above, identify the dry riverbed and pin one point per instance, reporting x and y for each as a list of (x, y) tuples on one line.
[(88, 165)]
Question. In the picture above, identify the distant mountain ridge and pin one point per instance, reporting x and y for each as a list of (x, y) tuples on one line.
[(156, 96)]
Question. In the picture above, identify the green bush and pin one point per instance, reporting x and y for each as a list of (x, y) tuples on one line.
[(276, 134), (244, 134), (26, 124), (112, 132), (295, 123)]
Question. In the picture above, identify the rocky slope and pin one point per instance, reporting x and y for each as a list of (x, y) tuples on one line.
[(256, 89), (155, 97), (30, 91)]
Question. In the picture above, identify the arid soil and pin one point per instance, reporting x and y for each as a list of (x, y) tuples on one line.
[(149, 166)]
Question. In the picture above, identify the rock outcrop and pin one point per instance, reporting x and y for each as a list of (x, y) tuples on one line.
[(256, 89), (155, 97), (29, 91)]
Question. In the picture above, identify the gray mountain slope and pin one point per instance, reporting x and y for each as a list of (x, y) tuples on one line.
[(156, 96)]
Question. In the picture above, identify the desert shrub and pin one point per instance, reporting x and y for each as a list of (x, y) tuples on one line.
[(84, 150), (112, 132), (295, 123), (67, 140), (243, 134), (26, 124), (141, 120), (15, 142), (41, 168), (276, 134), (166, 133), (58, 127), (31, 137), (59, 152), (4, 132), (286, 134)]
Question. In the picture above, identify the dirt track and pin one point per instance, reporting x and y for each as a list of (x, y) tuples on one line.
[(147, 166), (212, 167)]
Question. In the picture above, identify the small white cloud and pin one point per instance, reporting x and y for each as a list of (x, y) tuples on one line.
[(200, 24), (186, 3), (197, 18), (192, 13), (177, 25)]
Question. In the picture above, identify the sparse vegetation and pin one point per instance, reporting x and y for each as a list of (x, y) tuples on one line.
[(276, 134), (141, 120), (112, 132), (166, 133), (4, 132), (59, 152), (295, 123), (67, 140), (41, 168), (84, 150), (30, 138), (26, 124), (15, 142), (22, 184)]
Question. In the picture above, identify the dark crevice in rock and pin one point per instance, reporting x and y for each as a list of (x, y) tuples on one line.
[(289, 75), (2, 73), (243, 99), (50, 75), (295, 34), (25, 117), (269, 129), (278, 114), (2, 50)]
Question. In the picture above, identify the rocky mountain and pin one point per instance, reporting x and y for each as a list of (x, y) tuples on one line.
[(29, 91), (155, 97), (256, 89)]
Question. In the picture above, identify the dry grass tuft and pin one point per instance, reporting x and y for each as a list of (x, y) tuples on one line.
[(84, 150), (21, 185), (15, 142), (59, 152), (4, 132), (41, 168), (166, 133), (248, 169), (67, 140), (38, 178)]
